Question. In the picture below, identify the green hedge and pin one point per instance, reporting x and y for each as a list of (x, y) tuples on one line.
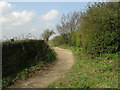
[(99, 29), (22, 54)]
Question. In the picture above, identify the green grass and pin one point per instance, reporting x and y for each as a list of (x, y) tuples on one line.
[(101, 72)]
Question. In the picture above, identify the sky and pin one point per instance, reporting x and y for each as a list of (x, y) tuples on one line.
[(21, 18)]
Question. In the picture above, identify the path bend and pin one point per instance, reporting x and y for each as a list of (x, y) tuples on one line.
[(64, 62)]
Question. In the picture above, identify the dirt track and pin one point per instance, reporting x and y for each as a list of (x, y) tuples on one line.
[(63, 63)]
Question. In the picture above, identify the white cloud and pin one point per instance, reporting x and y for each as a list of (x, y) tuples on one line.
[(17, 18), (50, 15), (21, 18), (3, 19), (5, 4), (14, 18), (5, 7), (33, 30)]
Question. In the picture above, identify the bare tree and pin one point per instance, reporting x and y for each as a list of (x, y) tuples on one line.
[(68, 24), (47, 34), (74, 21)]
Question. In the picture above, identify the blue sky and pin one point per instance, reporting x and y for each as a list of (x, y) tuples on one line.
[(20, 18), (43, 7)]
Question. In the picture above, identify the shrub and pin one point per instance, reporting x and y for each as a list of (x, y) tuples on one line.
[(99, 29)]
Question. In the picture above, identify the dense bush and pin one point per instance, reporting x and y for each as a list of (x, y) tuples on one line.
[(21, 54), (74, 39), (99, 29), (58, 40)]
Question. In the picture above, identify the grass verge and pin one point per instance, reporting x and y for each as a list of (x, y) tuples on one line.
[(100, 72)]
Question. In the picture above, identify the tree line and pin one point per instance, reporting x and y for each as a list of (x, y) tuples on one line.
[(96, 30)]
